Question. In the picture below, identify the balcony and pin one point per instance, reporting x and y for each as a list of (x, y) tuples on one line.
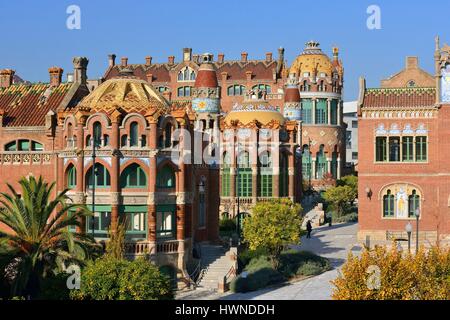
[(142, 248)]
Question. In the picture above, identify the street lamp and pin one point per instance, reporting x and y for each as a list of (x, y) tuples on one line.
[(417, 214), (408, 229)]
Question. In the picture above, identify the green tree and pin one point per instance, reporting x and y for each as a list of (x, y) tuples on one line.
[(37, 242), (109, 278), (339, 198), (272, 226), (352, 182)]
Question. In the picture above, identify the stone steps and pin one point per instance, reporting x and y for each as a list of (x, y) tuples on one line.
[(217, 264)]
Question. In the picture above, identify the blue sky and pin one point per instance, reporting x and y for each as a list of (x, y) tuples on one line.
[(34, 34)]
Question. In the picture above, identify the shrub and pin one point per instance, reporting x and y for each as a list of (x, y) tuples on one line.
[(303, 263), (227, 225), (114, 279), (272, 226), (383, 274), (350, 217), (256, 280), (54, 287)]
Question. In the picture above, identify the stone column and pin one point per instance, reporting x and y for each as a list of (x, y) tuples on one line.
[(253, 149), (275, 154), (80, 198), (339, 168), (115, 174), (313, 168), (151, 202), (291, 163), (181, 193)]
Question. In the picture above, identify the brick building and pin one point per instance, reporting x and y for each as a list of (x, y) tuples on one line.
[(404, 154), (142, 119)]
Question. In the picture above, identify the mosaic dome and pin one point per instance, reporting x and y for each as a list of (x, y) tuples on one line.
[(247, 112), (311, 58)]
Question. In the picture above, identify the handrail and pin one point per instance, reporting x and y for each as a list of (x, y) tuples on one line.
[(231, 272)]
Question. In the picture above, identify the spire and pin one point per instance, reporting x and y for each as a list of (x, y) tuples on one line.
[(206, 88)]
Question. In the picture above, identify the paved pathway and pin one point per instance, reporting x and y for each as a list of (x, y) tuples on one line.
[(333, 243)]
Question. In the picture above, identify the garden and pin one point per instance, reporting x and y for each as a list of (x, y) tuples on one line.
[(265, 259), (40, 258)]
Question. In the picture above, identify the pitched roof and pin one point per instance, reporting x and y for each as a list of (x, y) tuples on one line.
[(236, 70), (399, 97), (27, 105)]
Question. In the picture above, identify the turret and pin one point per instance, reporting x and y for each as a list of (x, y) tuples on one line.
[(292, 106), (206, 89)]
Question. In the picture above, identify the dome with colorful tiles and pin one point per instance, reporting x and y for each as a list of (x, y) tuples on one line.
[(250, 111), (129, 94), (313, 61)]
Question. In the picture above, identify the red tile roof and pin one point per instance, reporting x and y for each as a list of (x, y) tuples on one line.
[(27, 105), (399, 97), (236, 70)]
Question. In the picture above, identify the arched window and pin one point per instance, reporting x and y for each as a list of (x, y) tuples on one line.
[(165, 178), (321, 163), (168, 136), (413, 203), (306, 163), (186, 74), (226, 177), (388, 204), (106, 140), (102, 177), (284, 175), (322, 86), (24, 145), (162, 89), (262, 87), (307, 106), (244, 184), (134, 134), (305, 86), (133, 177), (123, 140), (97, 133), (334, 164), (236, 90), (71, 177), (70, 141), (265, 172), (321, 112)]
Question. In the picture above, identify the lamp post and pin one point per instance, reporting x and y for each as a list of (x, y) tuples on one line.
[(417, 214), (408, 229)]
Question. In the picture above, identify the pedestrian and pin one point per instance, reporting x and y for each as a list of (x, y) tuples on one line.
[(309, 229)]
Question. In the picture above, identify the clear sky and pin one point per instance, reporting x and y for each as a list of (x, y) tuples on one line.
[(34, 35)]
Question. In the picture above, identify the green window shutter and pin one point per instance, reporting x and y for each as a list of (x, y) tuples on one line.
[(71, 177), (307, 111), (165, 178), (321, 112), (407, 149), (134, 134), (334, 111), (413, 203), (388, 204), (24, 145), (226, 177), (421, 148)]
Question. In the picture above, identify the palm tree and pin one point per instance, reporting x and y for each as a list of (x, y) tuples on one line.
[(37, 242)]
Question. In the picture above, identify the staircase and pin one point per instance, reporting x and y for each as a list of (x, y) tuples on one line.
[(215, 264)]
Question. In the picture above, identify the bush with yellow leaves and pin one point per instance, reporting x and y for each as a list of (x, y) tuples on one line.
[(386, 274)]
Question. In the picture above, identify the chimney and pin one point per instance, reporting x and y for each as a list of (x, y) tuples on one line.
[(244, 56), (171, 60), (412, 62), (224, 77), (124, 61), (148, 61), (269, 57), (196, 58), (55, 76), (220, 57), (149, 77), (80, 69), (168, 95), (281, 54), (6, 78), (249, 75), (187, 54), (112, 60)]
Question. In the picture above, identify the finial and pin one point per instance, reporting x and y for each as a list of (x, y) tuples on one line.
[(436, 41)]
